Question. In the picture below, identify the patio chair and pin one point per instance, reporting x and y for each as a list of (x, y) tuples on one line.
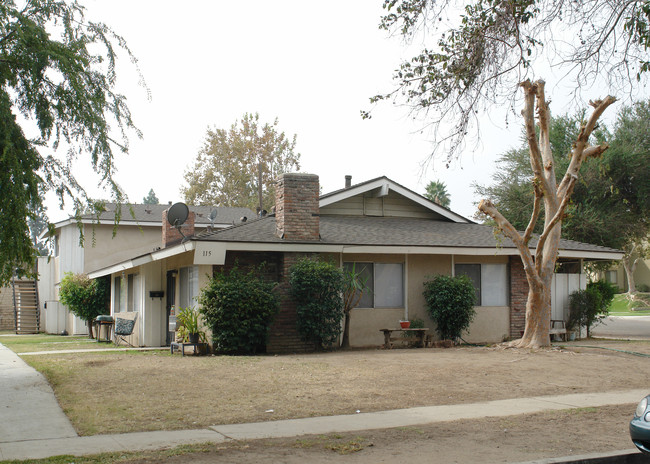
[(124, 328)]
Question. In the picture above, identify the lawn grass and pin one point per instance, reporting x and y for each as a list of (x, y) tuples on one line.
[(47, 342), (623, 306), (128, 391)]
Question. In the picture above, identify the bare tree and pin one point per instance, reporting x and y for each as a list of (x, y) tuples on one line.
[(475, 52), (540, 265)]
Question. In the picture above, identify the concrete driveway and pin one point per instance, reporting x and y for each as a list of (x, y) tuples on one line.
[(623, 327), (28, 407)]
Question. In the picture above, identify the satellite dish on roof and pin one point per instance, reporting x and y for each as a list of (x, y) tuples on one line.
[(177, 214), (213, 216)]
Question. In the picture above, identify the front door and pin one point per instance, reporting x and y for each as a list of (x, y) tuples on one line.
[(171, 300)]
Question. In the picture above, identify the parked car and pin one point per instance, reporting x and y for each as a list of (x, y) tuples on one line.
[(640, 426)]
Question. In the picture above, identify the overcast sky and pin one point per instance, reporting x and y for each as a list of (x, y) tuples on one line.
[(313, 65)]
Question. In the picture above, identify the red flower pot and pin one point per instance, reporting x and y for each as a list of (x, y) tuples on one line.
[(405, 324)]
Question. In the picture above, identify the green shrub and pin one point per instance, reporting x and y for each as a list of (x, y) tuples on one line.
[(316, 287), (643, 288), (416, 323), (450, 302), (239, 309), (86, 298), (607, 292), (586, 308)]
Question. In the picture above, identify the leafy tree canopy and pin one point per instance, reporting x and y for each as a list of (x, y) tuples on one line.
[(227, 168), (85, 298), (477, 51), (612, 190), (437, 192), (57, 89), (151, 198), (37, 223)]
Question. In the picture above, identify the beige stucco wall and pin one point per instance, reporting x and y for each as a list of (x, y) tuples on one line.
[(129, 241), (491, 324), (481, 259), (642, 272)]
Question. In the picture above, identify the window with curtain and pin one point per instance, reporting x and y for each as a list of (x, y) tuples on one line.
[(119, 297), (133, 292), (188, 286), (384, 282), (490, 282)]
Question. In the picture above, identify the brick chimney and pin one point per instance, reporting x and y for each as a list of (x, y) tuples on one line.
[(171, 235), (296, 207)]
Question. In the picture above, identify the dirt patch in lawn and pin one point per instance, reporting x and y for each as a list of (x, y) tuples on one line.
[(123, 392)]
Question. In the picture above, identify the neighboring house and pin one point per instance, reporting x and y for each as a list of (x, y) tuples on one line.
[(618, 276), (397, 236), (105, 243)]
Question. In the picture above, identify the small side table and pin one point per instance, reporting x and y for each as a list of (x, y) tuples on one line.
[(110, 327), (199, 348)]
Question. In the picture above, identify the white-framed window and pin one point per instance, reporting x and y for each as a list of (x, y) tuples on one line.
[(384, 284), (490, 282), (119, 294), (188, 286), (133, 292), (611, 277)]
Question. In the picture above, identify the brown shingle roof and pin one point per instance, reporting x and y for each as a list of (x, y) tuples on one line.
[(153, 213), (387, 231)]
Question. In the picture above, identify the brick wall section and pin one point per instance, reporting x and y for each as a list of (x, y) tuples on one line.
[(7, 321), (518, 297), (252, 260), (296, 207), (171, 235), (283, 336)]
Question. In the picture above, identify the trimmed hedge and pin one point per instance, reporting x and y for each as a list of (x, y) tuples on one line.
[(316, 287), (239, 308), (450, 303)]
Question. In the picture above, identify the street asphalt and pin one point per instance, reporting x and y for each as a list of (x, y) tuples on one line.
[(32, 425)]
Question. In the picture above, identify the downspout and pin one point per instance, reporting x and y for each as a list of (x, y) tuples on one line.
[(406, 288)]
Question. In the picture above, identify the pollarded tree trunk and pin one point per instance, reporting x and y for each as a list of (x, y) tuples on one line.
[(539, 263), (629, 264), (538, 317)]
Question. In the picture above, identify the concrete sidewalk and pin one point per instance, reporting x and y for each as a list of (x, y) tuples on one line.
[(40, 448), (28, 407), (32, 425)]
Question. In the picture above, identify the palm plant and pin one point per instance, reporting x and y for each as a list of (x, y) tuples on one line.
[(437, 192)]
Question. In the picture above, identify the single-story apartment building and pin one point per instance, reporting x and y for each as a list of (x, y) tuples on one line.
[(396, 235)]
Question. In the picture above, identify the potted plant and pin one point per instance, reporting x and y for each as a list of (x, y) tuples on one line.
[(189, 318), (404, 324)]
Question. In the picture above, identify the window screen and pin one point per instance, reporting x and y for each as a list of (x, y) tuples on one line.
[(473, 271), (389, 285), (494, 285)]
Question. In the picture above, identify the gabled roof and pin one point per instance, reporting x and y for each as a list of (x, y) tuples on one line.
[(452, 234), (151, 215), (381, 186)]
